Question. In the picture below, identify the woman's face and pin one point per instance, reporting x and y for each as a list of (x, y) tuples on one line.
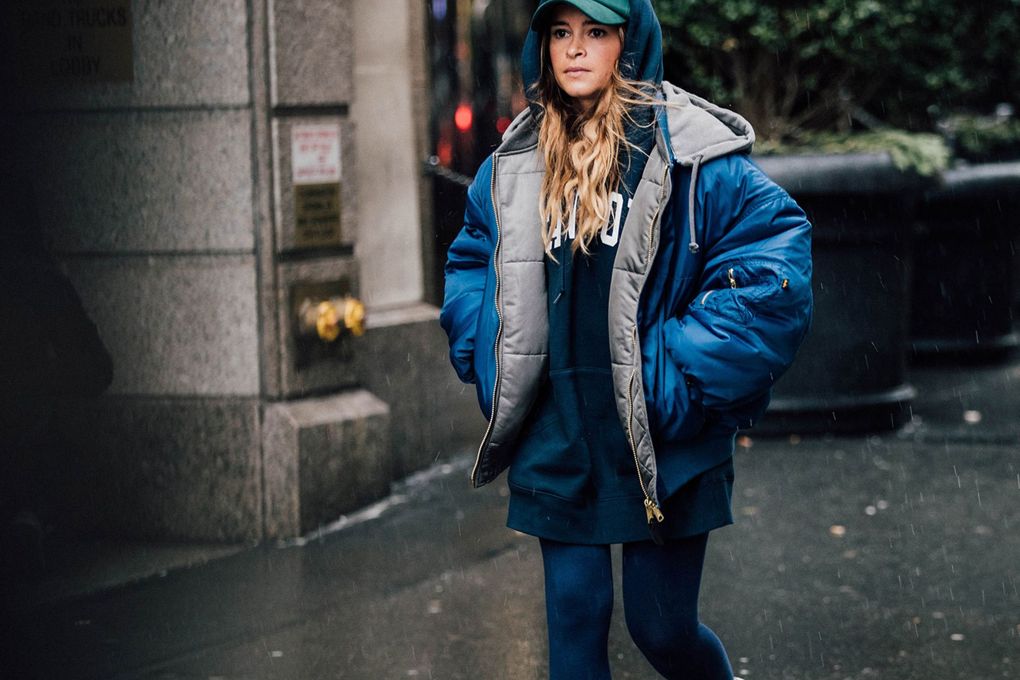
[(582, 53)]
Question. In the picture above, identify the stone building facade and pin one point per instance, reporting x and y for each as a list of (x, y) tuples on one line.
[(166, 161)]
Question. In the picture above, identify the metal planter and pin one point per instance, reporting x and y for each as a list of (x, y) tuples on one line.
[(850, 375), (964, 274)]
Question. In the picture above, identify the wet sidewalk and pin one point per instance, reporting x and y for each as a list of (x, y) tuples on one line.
[(894, 556)]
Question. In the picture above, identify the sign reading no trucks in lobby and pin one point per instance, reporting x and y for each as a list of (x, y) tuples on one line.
[(79, 41)]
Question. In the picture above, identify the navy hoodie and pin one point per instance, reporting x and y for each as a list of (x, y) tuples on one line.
[(574, 478)]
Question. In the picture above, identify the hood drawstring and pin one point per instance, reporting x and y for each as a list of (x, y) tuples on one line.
[(563, 251), (563, 271), (693, 246)]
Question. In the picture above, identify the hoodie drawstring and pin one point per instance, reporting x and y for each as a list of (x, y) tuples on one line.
[(563, 252), (693, 246), (563, 271)]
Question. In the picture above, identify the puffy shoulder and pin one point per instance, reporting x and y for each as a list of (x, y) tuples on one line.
[(733, 186)]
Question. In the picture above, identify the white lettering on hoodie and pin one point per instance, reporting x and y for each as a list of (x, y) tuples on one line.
[(610, 232)]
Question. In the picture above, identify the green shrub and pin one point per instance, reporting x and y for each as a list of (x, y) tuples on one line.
[(923, 153), (983, 138), (821, 65)]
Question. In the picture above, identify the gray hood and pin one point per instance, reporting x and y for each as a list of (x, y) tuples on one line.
[(699, 128), (700, 131)]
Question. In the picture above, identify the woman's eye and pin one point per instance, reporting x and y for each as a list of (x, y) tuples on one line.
[(598, 33), (559, 33)]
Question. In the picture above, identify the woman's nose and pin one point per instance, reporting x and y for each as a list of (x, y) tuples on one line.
[(575, 48)]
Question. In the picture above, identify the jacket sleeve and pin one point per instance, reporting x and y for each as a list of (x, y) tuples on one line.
[(467, 263), (753, 308)]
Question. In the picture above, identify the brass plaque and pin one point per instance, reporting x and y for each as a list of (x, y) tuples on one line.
[(317, 215), (80, 41)]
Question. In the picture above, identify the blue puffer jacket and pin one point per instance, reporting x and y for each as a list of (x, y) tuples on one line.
[(709, 301)]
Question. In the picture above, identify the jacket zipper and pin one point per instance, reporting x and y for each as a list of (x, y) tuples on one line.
[(499, 328), (652, 511)]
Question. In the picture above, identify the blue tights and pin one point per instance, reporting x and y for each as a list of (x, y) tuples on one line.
[(660, 593)]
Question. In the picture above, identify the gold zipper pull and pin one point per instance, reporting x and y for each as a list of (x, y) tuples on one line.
[(652, 511), (732, 278)]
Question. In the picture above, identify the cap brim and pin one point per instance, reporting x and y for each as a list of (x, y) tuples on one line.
[(597, 12)]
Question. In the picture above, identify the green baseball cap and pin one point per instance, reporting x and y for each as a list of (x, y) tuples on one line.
[(608, 12)]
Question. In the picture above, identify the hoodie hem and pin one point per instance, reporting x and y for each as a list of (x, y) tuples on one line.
[(701, 505)]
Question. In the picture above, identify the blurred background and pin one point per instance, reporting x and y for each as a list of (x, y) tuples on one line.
[(222, 252)]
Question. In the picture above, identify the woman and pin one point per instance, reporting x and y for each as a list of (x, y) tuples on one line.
[(615, 379)]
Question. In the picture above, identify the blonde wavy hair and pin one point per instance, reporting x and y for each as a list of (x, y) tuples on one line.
[(581, 150)]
